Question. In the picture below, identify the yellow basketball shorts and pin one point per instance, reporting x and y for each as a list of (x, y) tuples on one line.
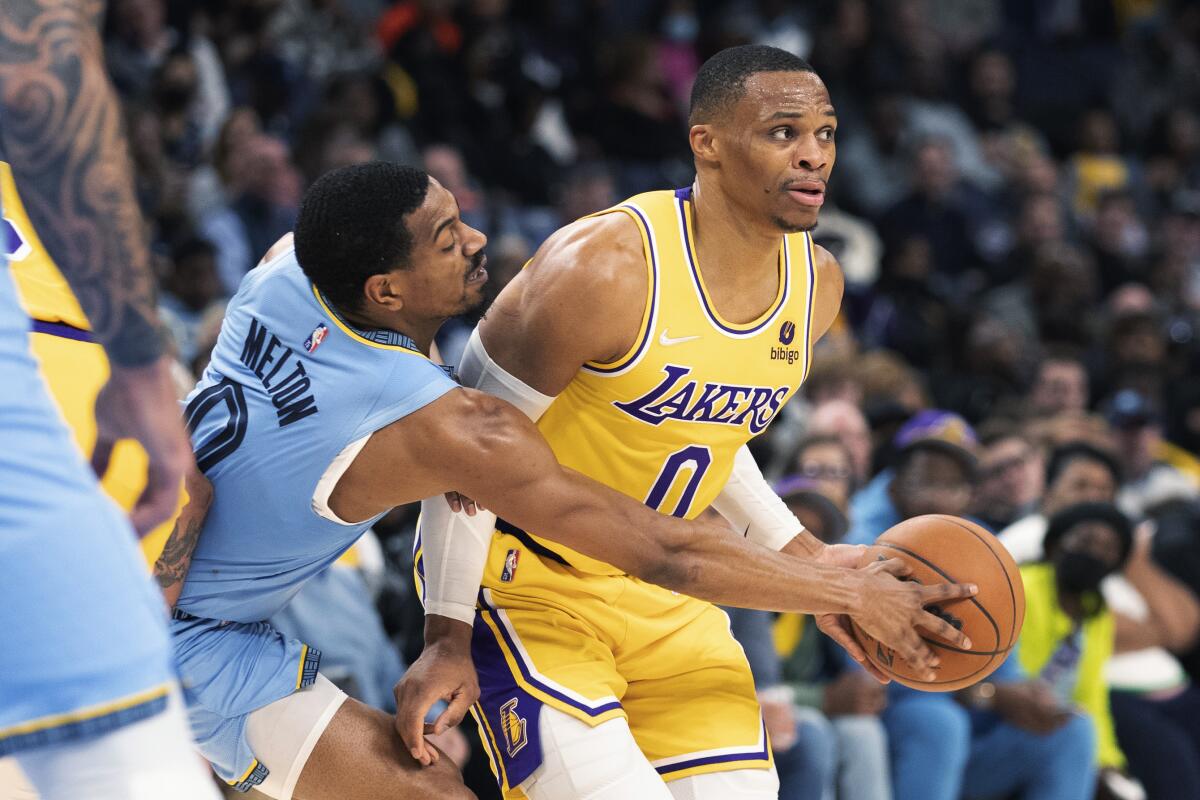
[(603, 646)]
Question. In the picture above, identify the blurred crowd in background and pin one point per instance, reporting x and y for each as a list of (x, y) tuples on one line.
[(1016, 207)]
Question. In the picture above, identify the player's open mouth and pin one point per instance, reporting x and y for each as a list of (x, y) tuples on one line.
[(808, 193), (479, 274)]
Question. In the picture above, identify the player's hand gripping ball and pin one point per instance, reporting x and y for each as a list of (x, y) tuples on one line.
[(945, 549)]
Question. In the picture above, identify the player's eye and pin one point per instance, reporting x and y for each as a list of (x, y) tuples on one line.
[(825, 134), (782, 133)]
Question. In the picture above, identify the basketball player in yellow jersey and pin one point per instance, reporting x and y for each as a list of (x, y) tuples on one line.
[(71, 360), (650, 342)]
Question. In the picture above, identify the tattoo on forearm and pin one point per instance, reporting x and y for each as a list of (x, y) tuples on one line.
[(171, 568), (62, 133)]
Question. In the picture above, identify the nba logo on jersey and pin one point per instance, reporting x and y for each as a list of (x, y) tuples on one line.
[(510, 566), (316, 337), (512, 725)]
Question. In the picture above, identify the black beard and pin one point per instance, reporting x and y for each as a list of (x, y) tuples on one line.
[(787, 227)]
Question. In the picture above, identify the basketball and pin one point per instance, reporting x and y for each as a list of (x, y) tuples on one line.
[(945, 549)]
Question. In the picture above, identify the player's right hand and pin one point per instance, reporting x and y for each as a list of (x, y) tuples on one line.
[(444, 671), (892, 610), (140, 403)]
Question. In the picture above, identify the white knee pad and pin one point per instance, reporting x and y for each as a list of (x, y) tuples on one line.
[(580, 762), (147, 760), (742, 784)]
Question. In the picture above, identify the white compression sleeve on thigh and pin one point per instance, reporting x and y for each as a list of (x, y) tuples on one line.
[(147, 760), (580, 762), (742, 784), (283, 734), (753, 508), (455, 546)]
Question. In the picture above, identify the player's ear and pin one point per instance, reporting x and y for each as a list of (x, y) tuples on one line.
[(382, 290), (703, 140)]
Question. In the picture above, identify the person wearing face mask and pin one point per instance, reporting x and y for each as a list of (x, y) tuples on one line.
[(1069, 632)]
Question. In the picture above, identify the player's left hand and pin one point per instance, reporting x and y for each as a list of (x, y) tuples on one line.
[(837, 626), (444, 671), (140, 403)]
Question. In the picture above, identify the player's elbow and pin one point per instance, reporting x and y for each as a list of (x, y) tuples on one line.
[(496, 430), (674, 564)]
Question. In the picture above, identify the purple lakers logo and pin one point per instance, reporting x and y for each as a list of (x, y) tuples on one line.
[(316, 337), (513, 727), (787, 332), (510, 566), (685, 399)]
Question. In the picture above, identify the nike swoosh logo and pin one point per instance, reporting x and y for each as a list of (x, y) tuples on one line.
[(667, 341)]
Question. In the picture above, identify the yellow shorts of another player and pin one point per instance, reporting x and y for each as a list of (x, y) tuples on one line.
[(74, 372)]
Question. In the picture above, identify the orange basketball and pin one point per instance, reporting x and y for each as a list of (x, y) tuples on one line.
[(945, 549)]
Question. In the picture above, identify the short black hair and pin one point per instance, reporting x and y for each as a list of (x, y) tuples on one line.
[(721, 81), (1064, 454), (352, 225)]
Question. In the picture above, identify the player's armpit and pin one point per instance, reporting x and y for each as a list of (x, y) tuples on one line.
[(580, 299), (831, 284)]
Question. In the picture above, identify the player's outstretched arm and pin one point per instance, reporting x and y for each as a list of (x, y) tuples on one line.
[(485, 447), (61, 131)]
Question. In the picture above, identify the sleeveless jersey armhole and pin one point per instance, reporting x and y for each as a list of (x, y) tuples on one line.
[(649, 251)]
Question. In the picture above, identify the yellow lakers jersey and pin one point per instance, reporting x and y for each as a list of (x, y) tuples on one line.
[(42, 288), (74, 368), (662, 423)]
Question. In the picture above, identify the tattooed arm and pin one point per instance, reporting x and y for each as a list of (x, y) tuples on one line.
[(171, 568), (61, 131)]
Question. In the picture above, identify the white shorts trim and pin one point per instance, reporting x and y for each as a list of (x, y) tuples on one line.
[(284, 733)]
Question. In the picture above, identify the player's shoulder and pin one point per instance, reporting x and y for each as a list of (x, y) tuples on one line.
[(601, 253)]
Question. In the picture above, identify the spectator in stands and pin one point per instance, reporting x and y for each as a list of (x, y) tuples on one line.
[(1076, 472), (1060, 385), (1149, 478), (1068, 633), (1011, 475)]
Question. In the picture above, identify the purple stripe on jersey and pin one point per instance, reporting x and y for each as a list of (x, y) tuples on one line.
[(712, 314), (812, 282), (763, 755), (62, 330), (623, 363)]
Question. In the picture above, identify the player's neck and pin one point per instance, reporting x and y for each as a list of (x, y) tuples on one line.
[(728, 249)]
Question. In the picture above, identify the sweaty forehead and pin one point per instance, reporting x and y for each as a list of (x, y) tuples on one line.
[(768, 93), (439, 204)]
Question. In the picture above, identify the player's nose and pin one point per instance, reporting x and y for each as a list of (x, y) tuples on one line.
[(476, 240), (808, 154)]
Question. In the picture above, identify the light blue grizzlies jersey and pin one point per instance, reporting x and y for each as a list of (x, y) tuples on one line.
[(83, 639), (290, 385)]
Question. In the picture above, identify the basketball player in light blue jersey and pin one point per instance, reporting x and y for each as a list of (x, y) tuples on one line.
[(88, 700), (319, 412)]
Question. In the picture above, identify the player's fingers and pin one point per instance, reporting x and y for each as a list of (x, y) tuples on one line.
[(876, 673), (453, 715), (918, 655), (101, 454), (944, 630), (454, 502), (940, 592), (156, 504), (894, 566), (411, 707), (840, 633), (469, 506)]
